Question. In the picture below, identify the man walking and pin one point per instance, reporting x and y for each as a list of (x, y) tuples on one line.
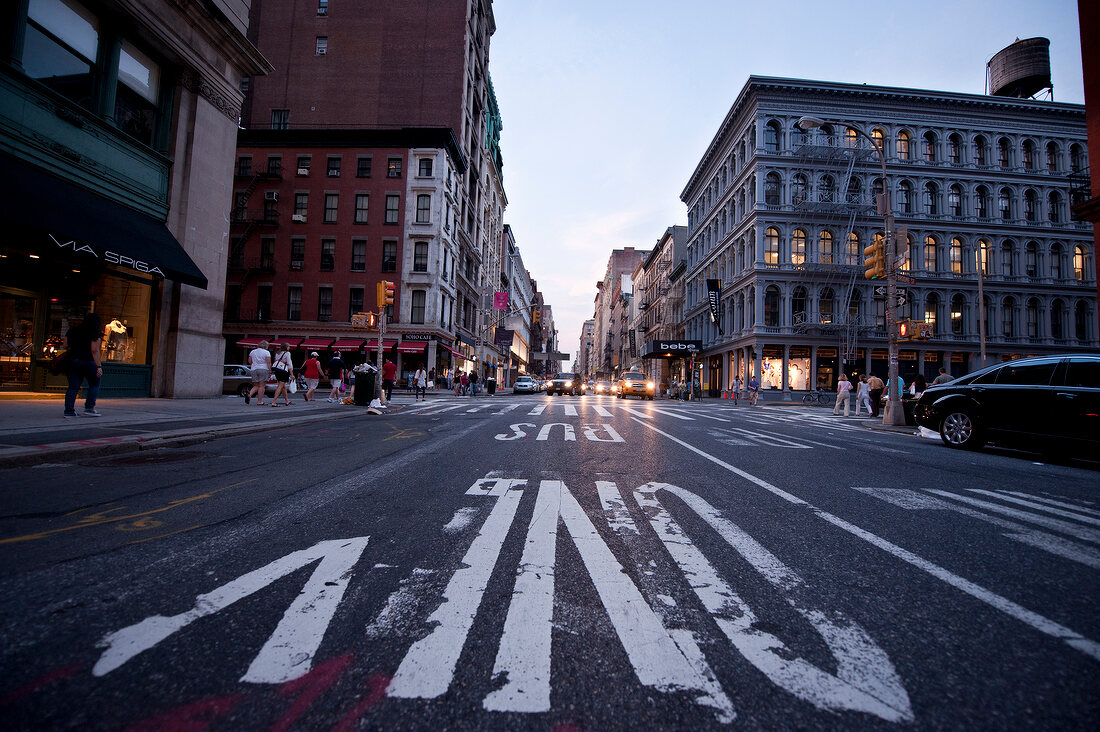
[(943, 378), (335, 376), (389, 375), (875, 385)]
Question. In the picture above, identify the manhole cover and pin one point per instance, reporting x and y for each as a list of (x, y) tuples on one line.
[(153, 457)]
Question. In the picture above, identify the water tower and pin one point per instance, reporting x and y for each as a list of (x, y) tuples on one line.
[(1021, 70)]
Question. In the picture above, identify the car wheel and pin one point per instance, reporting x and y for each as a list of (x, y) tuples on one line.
[(243, 391), (958, 430)]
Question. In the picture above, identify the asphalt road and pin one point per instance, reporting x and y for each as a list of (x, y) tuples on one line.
[(566, 563)]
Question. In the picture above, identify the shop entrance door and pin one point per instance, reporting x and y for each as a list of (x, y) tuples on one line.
[(17, 310)]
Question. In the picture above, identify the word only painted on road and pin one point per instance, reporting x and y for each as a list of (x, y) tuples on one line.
[(592, 432)]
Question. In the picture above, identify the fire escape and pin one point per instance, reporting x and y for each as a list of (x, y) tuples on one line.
[(244, 222)]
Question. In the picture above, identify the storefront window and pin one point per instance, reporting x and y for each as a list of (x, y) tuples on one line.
[(123, 306), (16, 336)]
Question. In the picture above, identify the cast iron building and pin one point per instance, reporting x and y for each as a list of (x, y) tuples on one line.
[(781, 217)]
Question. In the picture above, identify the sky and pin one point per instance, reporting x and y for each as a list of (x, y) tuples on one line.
[(608, 105)]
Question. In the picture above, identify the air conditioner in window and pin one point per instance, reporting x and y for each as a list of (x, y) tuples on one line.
[(298, 218), (303, 171), (271, 195), (322, 51)]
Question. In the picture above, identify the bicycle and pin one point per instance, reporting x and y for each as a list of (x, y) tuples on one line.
[(819, 397)]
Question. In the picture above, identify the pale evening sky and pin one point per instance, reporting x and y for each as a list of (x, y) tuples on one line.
[(608, 105)]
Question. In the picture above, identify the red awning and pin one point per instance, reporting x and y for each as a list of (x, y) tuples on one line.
[(252, 341), (386, 344), (347, 344), (317, 342), (454, 353), (412, 347), (292, 341)]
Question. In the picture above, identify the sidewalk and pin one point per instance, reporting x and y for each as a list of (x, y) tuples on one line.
[(32, 429)]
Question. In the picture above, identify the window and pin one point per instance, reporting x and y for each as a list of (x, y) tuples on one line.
[(294, 302), (902, 145), (1004, 204), (772, 187), (954, 200), (1029, 155), (416, 315), (958, 313), (905, 197), (333, 170), (1008, 318), (297, 253), (425, 167), (423, 208), (1004, 152), (1079, 263), (244, 166), (332, 201), (904, 247), (304, 162), (798, 189), (358, 255), (389, 256), (322, 7), (981, 201), (931, 199), (771, 306), (854, 249), (301, 205), (984, 251), (275, 165), (280, 119), (1030, 212), (851, 138), (393, 204), (931, 310), (1076, 158), (1031, 256), (362, 166), (771, 246), (420, 256), (1008, 259), (267, 253), (930, 248), (1056, 261), (798, 305), (828, 189), (798, 247), (825, 247), (1081, 320), (324, 303), (928, 147), (322, 45), (771, 137), (263, 302), (954, 149), (62, 46), (1033, 319), (981, 151), (957, 256), (825, 306), (1054, 207), (393, 167), (328, 255), (1057, 320), (1038, 374), (362, 203), (355, 301), (1083, 372), (1052, 157)]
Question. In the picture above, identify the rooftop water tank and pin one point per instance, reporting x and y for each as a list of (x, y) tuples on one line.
[(1022, 70)]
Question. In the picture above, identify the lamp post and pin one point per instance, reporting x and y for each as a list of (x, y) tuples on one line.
[(893, 414)]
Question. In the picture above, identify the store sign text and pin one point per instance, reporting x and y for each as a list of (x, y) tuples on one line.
[(110, 257)]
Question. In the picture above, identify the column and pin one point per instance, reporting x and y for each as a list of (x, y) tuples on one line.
[(786, 372), (812, 383)]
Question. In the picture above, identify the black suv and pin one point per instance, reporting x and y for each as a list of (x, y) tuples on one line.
[(566, 383), (1038, 403)]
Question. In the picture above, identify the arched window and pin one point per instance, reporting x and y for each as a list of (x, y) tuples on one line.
[(771, 246), (984, 254), (855, 189), (1008, 318), (1030, 161), (954, 149), (876, 190), (981, 151), (798, 247), (1057, 320), (1076, 158), (851, 138), (772, 189), (853, 248), (981, 201), (954, 200), (771, 306), (905, 197), (902, 145), (931, 199), (798, 306), (879, 137), (1004, 152), (825, 247), (931, 310), (1056, 261), (799, 136), (1031, 259), (825, 307), (1079, 263), (1008, 258), (772, 137), (931, 246), (1052, 157), (957, 256), (1054, 207), (1033, 318), (799, 188), (958, 314), (855, 306), (1030, 209), (928, 147), (1081, 320), (827, 192), (1004, 204)]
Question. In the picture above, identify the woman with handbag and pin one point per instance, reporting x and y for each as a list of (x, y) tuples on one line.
[(259, 359), (83, 342), (283, 368)]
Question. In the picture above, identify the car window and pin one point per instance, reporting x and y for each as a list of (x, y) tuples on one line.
[(1083, 372), (635, 377), (1032, 374), (989, 377)]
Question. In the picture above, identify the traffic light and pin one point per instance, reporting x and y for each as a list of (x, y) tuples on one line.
[(536, 316), (874, 259), (905, 330), (385, 294)]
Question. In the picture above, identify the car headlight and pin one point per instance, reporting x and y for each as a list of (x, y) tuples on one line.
[(569, 383), (649, 385)]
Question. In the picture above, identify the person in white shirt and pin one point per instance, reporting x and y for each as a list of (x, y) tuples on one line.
[(259, 359), (843, 389), (863, 396), (420, 380)]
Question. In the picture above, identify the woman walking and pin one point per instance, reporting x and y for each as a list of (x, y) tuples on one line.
[(259, 358), (83, 342), (312, 372), (284, 372), (420, 384), (843, 390), (863, 396)]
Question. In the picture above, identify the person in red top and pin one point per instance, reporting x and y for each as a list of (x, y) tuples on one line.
[(389, 374), (312, 372)]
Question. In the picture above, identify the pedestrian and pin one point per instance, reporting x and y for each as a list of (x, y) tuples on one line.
[(918, 386), (943, 377), (863, 396), (875, 387), (473, 382), (843, 391), (735, 387), (259, 359), (431, 379), (389, 376), (335, 376), (464, 383), (283, 368), (754, 390), (312, 372), (84, 343), (420, 384)]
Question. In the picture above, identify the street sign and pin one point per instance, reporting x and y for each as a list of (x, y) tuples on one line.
[(906, 279), (881, 291), (364, 321)]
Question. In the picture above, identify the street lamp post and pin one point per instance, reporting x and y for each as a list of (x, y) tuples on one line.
[(893, 414)]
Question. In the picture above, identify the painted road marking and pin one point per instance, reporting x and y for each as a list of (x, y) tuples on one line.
[(536, 411), (601, 411), (1052, 502), (288, 653), (570, 410), (1062, 527), (1006, 606), (1038, 506), (593, 432)]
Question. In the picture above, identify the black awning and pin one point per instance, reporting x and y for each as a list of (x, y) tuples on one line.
[(78, 224)]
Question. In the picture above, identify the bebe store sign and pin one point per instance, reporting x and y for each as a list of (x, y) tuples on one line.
[(107, 255)]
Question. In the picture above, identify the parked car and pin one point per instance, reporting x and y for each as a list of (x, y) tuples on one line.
[(565, 383), (1041, 402), (633, 383), (525, 385), (237, 379)]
